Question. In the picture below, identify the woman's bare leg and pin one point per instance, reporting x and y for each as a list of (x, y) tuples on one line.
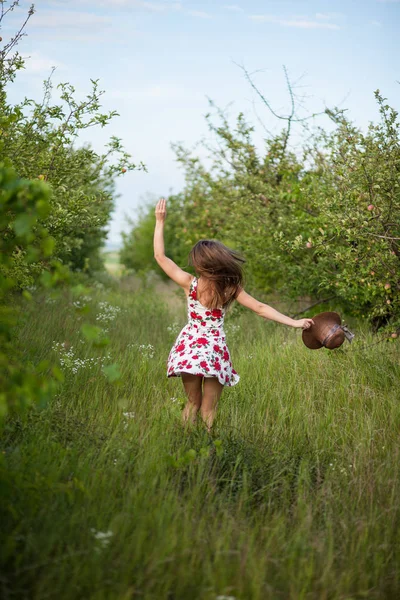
[(212, 391), (192, 385)]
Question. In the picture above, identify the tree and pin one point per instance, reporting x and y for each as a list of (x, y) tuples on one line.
[(323, 223), (38, 139)]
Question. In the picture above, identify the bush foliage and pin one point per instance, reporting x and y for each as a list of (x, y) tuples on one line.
[(55, 202), (38, 139), (323, 223)]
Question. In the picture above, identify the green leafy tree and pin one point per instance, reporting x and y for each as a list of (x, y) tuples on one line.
[(39, 140), (322, 224), (28, 204)]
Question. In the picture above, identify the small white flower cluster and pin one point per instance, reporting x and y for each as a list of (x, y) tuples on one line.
[(50, 300), (340, 469), (102, 538), (129, 415), (70, 361), (250, 356), (174, 328), (174, 399), (107, 312), (146, 350), (83, 300), (225, 598), (232, 329)]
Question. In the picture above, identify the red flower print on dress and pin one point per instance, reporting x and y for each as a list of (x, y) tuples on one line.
[(194, 315), (201, 348)]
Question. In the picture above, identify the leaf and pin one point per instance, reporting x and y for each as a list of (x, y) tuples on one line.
[(91, 332), (57, 374), (47, 246), (112, 372), (23, 225)]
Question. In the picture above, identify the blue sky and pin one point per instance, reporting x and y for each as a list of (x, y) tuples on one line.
[(159, 60)]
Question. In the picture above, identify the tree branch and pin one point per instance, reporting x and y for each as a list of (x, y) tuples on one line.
[(312, 305)]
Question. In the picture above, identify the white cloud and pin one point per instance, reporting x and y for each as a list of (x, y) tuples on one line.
[(69, 20), (299, 22), (329, 16), (150, 6), (376, 23), (156, 6), (199, 14), (37, 63), (233, 7), (153, 91)]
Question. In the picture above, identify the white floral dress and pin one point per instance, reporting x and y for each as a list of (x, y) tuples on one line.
[(200, 348)]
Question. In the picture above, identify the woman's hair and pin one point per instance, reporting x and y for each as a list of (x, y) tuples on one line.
[(221, 265)]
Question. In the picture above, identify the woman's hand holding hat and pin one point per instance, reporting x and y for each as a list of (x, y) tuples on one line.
[(304, 323)]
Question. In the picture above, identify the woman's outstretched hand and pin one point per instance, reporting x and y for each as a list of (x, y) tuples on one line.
[(304, 323), (161, 210)]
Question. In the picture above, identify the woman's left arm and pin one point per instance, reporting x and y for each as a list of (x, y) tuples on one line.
[(168, 266), (267, 312)]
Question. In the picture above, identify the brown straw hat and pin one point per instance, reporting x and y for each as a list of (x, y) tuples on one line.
[(327, 331)]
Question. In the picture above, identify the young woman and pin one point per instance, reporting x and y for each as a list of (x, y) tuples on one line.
[(200, 354)]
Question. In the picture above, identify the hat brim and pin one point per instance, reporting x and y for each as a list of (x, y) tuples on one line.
[(309, 335)]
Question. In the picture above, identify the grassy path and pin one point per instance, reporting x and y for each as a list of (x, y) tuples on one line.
[(294, 496)]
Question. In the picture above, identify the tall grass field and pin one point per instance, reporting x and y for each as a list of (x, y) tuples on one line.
[(107, 496)]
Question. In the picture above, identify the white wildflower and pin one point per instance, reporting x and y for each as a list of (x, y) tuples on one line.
[(147, 351), (71, 362), (174, 328), (102, 538), (232, 329), (129, 415), (107, 312)]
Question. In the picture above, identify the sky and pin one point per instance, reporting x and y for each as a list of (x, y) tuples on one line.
[(160, 61)]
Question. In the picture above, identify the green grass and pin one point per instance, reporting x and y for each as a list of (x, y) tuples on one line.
[(293, 496)]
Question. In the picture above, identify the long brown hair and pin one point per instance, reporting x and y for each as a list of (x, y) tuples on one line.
[(222, 266)]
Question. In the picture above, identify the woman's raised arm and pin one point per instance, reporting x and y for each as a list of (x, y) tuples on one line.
[(168, 266), (267, 312)]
